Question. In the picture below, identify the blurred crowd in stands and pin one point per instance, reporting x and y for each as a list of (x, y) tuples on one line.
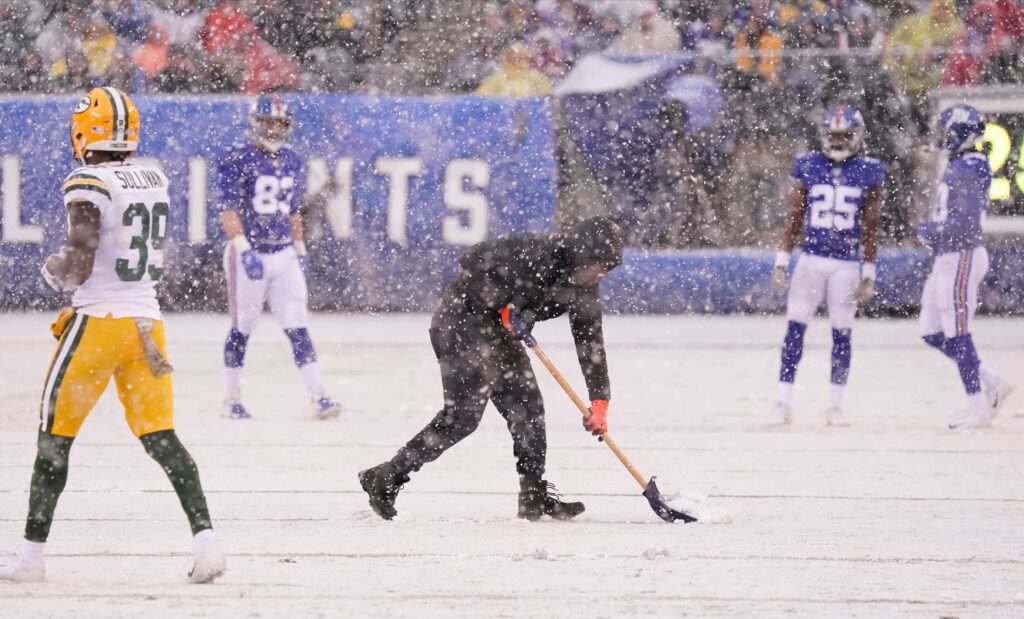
[(509, 48), (777, 62)]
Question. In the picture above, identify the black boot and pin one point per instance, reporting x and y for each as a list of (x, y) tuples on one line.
[(531, 497), (556, 508), (382, 484), (538, 497)]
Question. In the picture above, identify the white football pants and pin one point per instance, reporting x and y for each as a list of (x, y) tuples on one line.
[(283, 287), (950, 296), (817, 279)]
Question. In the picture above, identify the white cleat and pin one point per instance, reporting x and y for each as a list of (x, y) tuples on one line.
[(996, 396), (780, 416), (834, 417), (325, 408), (968, 420), (206, 566), (14, 569)]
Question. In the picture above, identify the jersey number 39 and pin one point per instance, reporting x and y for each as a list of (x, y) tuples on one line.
[(834, 207), (152, 235)]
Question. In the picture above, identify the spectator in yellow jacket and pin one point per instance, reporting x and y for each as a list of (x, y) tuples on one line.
[(515, 77), (757, 36), (915, 53)]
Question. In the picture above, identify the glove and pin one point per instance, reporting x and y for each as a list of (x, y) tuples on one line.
[(866, 287), (865, 290), (252, 264), (779, 278), (250, 261), (927, 231), (514, 323), (597, 422), (63, 321)]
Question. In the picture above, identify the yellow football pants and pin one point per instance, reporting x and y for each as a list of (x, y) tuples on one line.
[(91, 351)]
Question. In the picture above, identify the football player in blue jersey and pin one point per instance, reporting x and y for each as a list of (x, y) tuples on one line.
[(261, 188), (835, 209), (953, 231)]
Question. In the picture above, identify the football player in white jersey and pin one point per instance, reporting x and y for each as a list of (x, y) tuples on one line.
[(118, 215)]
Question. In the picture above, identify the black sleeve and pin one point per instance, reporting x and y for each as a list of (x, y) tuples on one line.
[(481, 279), (585, 322), (497, 273)]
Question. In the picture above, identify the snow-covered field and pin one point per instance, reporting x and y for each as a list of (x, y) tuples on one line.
[(894, 516)]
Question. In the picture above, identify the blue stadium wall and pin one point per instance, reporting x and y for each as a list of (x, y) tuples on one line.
[(738, 281), (420, 179)]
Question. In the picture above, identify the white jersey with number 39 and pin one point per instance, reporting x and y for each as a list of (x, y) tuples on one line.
[(134, 212)]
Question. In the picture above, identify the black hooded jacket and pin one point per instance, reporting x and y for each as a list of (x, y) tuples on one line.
[(533, 274)]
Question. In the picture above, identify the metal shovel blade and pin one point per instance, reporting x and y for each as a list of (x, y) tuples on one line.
[(661, 508)]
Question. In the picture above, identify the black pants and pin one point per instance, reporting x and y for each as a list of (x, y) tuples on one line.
[(480, 362)]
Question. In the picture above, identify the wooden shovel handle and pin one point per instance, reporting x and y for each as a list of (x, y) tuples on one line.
[(585, 410)]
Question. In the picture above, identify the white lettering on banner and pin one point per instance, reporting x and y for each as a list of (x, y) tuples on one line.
[(465, 182), (338, 206), (398, 170), (458, 198), (14, 230), (197, 173)]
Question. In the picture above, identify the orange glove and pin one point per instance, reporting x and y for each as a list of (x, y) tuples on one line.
[(515, 325), (597, 423)]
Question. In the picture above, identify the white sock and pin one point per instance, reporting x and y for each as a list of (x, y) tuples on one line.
[(988, 378), (785, 393), (234, 380), (203, 541), (31, 552), (977, 404), (836, 395), (311, 378)]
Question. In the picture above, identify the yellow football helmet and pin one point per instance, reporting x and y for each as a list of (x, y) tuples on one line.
[(104, 119)]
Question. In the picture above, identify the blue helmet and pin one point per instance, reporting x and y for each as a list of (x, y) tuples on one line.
[(960, 128), (270, 122), (842, 132)]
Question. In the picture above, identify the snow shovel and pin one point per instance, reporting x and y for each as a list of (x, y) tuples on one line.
[(650, 492)]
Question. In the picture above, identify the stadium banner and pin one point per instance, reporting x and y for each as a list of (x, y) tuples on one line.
[(397, 188)]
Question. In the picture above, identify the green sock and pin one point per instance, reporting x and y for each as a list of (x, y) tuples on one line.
[(49, 475), (167, 450)]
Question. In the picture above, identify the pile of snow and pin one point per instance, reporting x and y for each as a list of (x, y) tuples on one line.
[(698, 506)]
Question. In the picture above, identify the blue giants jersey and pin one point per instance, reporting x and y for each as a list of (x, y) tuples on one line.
[(835, 197), (265, 190), (961, 201)]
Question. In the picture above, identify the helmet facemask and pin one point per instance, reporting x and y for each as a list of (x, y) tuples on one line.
[(841, 143), (270, 132)]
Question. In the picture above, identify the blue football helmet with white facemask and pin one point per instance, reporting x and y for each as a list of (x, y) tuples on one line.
[(959, 128), (842, 133), (270, 122)]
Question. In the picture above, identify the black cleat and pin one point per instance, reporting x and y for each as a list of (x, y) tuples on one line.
[(382, 484), (538, 497)]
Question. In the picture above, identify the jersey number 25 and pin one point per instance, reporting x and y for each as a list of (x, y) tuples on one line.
[(834, 207)]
